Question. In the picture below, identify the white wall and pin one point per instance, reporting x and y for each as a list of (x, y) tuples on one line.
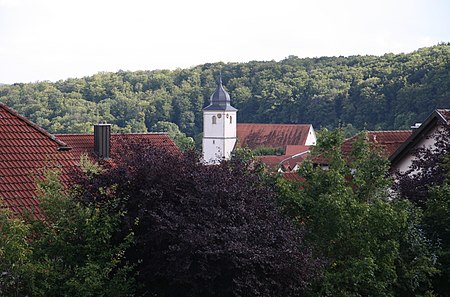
[(219, 138), (311, 139), (404, 164)]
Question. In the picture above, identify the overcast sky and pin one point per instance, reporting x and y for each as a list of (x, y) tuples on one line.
[(57, 39)]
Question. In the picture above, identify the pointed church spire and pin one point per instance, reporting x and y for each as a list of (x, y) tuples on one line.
[(220, 99)]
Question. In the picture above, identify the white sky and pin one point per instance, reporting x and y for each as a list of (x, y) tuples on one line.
[(57, 39)]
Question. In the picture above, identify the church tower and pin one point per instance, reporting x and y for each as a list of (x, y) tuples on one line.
[(219, 127)]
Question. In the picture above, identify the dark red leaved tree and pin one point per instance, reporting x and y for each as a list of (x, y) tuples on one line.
[(203, 230), (429, 168)]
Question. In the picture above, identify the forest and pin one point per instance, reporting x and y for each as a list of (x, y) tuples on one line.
[(392, 91)]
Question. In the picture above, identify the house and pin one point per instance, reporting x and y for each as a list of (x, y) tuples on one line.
[(422, 136), (222, 134), (27, 151)]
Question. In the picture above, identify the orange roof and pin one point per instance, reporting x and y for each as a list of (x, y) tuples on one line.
[(84, 143), (273, 135), (26, 151)]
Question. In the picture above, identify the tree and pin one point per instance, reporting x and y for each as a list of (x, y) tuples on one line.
[(204, 230), (384, 92), (429, 168), (15, 252), (373, 245), (68, 252), (180, 139), (427, 184)]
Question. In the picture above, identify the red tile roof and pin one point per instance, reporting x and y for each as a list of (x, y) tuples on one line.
[(26, 151), (287, 161), (388, 141), (84, 143), (295, 149), (293, 176), (273, 135)]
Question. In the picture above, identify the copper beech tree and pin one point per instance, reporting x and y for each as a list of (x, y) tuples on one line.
[(203, 230)]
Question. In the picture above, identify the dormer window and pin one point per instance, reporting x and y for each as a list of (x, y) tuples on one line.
[(214, 120)]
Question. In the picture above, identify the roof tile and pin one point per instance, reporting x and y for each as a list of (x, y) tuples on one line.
[(273, 135)]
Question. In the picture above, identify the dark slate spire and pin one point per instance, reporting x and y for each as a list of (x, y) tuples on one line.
[(220, 99)]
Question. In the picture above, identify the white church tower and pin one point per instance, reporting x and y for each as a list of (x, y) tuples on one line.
[(219, 127)]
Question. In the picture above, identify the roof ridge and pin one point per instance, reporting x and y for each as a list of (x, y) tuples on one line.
[(115, 133), (274, 124), (408, 130), (33, 125)]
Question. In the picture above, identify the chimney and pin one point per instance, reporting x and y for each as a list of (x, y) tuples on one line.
[(102, 140)]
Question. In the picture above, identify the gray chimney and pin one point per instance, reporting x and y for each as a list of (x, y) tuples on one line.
[(102, 140)]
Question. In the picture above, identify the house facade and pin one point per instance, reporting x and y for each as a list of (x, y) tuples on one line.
[(422, 135)]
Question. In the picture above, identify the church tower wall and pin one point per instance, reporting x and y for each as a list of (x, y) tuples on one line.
[(219, 127)]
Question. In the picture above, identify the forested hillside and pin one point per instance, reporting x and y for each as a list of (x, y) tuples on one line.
[(388, 92)]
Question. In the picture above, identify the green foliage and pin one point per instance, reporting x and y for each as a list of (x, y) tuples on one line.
[(70, 252), (437, 222), (181, 140), (369, 92), (375, 246), (426, 184), (15, 252), (73, 247)]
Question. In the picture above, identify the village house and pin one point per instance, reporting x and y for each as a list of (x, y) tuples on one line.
[(423, 135), (27, 151)]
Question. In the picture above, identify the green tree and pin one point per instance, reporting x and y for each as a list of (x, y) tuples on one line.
[(69, 251), (16, 269), (180, 139), (373, 245), (73, 248)]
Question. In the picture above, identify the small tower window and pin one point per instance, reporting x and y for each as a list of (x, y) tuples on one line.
[(214, 120), (231, 120)]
